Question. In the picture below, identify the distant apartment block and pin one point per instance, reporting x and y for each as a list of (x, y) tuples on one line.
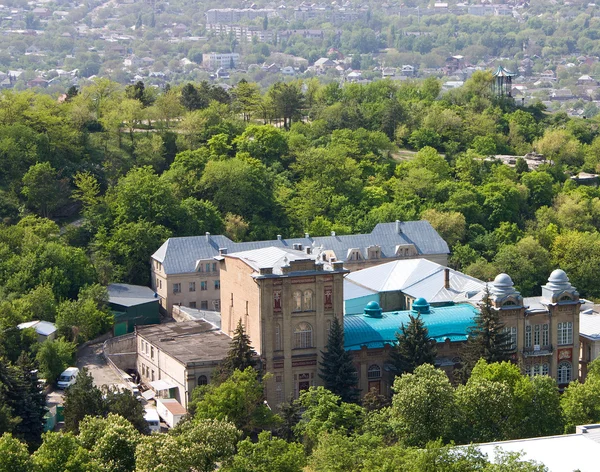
[(243, 32), (233, 15), (214, 60)]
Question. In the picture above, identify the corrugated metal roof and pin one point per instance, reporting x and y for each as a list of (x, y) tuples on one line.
[(130, 295), (43, 328), (450, 322), (589, 325), (179, 255)]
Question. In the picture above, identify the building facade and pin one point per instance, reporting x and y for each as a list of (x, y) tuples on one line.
[(286, 300), (184, 270)]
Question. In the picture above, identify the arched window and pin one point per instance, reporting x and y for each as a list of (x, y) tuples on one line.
[(202, 380), (297, 301), (509, 303), (564, 372), (277, 337), (303, 336), (308, 300), (374, 372), (565, 298)]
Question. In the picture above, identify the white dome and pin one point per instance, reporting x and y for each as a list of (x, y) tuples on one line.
[(503, 280), (558, 276)]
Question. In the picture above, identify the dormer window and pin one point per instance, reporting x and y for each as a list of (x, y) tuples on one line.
[(374, 252), (354, 254), (565, 298), (509, 303)]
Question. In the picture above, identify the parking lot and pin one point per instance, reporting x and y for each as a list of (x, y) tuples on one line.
[(92, 358)]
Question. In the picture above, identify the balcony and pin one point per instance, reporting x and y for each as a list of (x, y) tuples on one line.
[(538, 351)]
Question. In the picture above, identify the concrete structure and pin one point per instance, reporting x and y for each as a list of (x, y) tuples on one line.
[(184, 271), (45, 330), (233, 15), (215, 60), (589, 337), (286, 300), (544, 330), (566, 453), (174, 358), (132, 305), (170, 410)]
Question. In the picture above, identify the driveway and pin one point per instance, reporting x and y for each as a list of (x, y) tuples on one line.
[(92, 358)]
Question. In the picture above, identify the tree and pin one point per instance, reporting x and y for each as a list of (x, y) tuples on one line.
[(15, 457), (266, 143), (450, 225), (337, 368), (82, 399), (266, 455), (580, 402), (111, 441), (62, 451), (287, 101), (191, 98), (87, 317), (124, 404), (413, 347), (239, 399), (422, 406), (487, 339), (43, 190), (241, 354), (324, 412), (53, 357)]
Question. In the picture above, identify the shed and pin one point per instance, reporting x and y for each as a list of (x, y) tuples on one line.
[(45, 330), (132, 305)]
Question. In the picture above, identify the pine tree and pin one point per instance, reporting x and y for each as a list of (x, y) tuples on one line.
[(414, 347), (241, 354), (337, 369), (487, 339), (82, 399)]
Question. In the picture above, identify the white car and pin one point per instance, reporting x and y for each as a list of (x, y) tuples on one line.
[(68, 377)]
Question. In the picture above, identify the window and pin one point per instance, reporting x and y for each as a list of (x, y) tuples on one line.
[(303, 336), (152, 375), (512, 337), (509, 303), (374, 372), (565, 298), (297, 300), (204, 305), (527, 336), (277, 337), (192, 286), (564, 372), (217, 285), (208, 267), (545, 369), (536, 335), (277, 300), (217, 304), (176, 288), (192, 304), (214, 267), (202, 380), (146, 348), (203, 285), (545, 335), (279, 393), (328, 297), (565, 333), (152, 353), (159, 283), (200, 268), (308, 300)]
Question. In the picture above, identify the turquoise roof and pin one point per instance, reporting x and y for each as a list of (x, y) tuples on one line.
[(448, 322)]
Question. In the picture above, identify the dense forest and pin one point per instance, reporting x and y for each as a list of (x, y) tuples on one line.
[(92, 184)]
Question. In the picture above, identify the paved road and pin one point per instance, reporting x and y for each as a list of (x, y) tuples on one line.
[(92, 358)]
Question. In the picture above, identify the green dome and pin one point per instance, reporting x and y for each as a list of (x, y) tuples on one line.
[(420, 305), (373, 310)]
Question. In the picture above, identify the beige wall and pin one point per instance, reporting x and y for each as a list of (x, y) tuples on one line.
[(163, 285), (254, 303)]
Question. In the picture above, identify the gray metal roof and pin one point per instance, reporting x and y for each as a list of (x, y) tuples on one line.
[(130, 295), (180, 255)]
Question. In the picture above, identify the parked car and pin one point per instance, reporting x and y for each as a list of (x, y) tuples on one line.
[(68, 377)]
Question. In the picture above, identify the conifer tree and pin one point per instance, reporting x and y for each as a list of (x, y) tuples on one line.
[(487, 339), (82, 399), (241, 354), (413, 348), (337, 370)]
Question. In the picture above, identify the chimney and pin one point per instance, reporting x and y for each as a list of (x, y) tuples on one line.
[(222, 251), (307, 249), (279, 237), (398, 229), (446, 278), (333, 233), (207, 236), (307, 236)]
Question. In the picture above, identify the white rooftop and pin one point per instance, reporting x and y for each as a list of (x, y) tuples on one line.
[(558, 453), (43, 328), (589, 323), (416, 278), (130, 295)]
